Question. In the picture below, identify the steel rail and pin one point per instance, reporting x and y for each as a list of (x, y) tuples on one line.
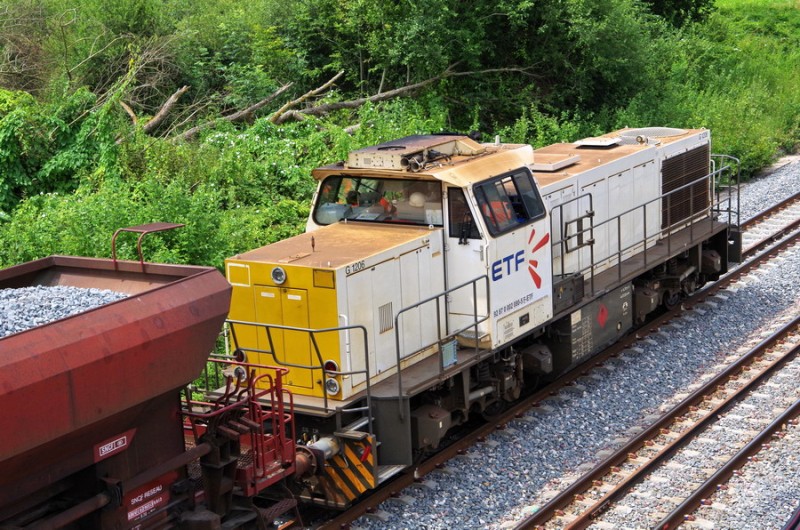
[(794, 522), (548, 510), (764, 215), (587, 481), (690, 504)]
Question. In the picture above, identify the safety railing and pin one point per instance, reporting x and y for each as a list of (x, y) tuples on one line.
[(713, 210), (446, 341), (313, 334), (252, 410)]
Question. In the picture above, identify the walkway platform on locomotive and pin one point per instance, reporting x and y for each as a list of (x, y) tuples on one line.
[(420, 375), (634, 266), (429, 371)]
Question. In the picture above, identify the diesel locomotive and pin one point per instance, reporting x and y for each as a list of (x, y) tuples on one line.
[(438, 279)]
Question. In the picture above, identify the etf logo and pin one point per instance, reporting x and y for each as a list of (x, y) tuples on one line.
[(510, 264)]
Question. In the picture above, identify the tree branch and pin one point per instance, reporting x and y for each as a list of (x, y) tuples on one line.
[(277, 116), (129, 111), (165, 109), (236, 116), (320, 110)]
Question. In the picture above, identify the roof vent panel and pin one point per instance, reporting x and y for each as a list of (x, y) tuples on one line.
[(552, 162), (599, 142)]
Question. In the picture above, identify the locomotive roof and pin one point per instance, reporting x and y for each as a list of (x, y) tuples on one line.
[(594, 154), (335, 245), (463, 160), (470, 162)]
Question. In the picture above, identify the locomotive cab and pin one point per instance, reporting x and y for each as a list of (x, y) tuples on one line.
[(496, 227)]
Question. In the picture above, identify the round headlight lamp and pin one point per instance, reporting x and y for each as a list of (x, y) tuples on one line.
[(332, 385), (331, 366), (278, 275)]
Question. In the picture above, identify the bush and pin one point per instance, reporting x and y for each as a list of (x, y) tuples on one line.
[(48, 148), (233, 190), (733, 79)]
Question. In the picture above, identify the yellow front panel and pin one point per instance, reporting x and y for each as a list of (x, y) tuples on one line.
[(287, 307), (257, 299), (268, 305), (297, 343)]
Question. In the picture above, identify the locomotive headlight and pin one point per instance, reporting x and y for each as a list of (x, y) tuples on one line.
[(331, 366), (278, 275), (332, 385)]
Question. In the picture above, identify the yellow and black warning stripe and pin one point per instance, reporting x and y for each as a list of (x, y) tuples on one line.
[(350, 473)]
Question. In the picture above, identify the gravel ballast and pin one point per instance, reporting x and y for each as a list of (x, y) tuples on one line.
[(650, 501), (781, 182), (28, 307), (515, 471)]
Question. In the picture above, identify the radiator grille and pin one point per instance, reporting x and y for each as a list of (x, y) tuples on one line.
[(678, 171)]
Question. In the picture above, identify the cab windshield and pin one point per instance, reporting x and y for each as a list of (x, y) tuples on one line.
[(373, 199)]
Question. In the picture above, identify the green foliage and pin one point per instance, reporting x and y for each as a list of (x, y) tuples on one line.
[(135, 17), (82, 223), (562, 54), (681, 12), (539, 129), (732, 78), (46, 148), (233, 190), (73, 168), (229, 53)]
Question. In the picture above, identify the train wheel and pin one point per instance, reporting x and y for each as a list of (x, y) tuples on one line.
[(672, 299), (493, 410)]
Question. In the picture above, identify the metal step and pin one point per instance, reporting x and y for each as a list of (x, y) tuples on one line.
[(388, 471), (278, 509), (357, 425)]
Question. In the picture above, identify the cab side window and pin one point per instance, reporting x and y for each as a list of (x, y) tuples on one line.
[(462, 224), (509, 201)]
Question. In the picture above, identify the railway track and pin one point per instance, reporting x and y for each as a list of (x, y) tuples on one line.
[(580, 505), (755, 254), (770, 225)]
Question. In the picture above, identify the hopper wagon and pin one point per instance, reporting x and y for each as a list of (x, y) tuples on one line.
[(93, 428)]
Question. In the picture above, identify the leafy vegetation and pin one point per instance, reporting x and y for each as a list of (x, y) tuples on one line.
[(213, 114)]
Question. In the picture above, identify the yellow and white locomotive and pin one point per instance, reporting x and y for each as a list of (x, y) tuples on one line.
[(438, 277)]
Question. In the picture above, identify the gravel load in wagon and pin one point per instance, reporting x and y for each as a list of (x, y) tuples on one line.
[(28, 307)]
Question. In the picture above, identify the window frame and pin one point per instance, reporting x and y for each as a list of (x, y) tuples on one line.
[(515, 209), (454, 226), (373, 186)]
